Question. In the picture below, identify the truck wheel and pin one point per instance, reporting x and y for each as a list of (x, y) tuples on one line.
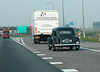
[(77, 47), (39, 42), (35, 42)]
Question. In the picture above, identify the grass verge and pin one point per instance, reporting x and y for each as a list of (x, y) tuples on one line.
[(90, 39)]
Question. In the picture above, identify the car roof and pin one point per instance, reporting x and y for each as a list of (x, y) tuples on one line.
[(60, 28)]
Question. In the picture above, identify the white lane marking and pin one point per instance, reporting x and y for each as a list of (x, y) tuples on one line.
[(29, 48), (23, 41), (33, 50), (41, 54), (25, 45), (90, 49), (17, 41), (69, 70), (36, 52), (56, 63), (47, 58)]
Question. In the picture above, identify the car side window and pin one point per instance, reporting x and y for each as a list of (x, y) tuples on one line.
[(54, 33)]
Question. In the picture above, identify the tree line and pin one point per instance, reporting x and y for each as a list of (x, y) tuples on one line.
[(96, 24)]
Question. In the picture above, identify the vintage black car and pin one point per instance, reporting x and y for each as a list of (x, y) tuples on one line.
[(63, 37)]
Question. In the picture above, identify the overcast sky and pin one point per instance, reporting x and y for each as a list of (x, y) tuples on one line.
[(19, 12)]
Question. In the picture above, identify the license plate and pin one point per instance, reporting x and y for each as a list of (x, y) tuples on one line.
[(37, 37)]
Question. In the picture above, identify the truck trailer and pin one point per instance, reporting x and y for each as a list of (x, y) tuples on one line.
[(44, 22)]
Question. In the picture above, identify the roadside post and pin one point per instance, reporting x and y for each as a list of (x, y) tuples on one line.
[(99, 37), (79, 34)]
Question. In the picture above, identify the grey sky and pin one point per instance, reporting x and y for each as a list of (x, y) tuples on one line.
[(19, 12)]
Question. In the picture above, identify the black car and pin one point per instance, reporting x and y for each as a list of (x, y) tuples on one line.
[(63, 37)]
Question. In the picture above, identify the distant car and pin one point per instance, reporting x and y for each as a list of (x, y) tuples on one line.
[(63, 37), (0, 34), (6, 35)]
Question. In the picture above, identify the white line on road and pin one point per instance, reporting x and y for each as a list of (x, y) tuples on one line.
[(47, 58), (33, 50), (23, 42), (69, 70), (56, 63), (41, 54), (29, 48), (25, 46), (90, 49), (16, 41), (36, 52)]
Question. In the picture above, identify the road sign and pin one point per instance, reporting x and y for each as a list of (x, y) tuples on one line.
[(72, 23), (67, 25), (22, 29)]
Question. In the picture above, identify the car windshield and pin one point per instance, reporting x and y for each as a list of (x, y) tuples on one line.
[(65, 32)]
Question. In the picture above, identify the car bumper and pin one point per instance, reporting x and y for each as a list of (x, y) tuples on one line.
[(66, 45), (5, 36)]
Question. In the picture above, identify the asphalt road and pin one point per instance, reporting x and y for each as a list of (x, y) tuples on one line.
[(16, 58), (87, 59)]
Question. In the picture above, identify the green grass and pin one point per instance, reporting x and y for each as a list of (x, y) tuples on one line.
[(90, 39)]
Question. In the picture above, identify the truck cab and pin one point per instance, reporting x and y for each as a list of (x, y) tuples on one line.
[(63, 37)]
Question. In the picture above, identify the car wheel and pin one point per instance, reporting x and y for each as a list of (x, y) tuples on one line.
[(77, 47), (50, 48), (54, 49)]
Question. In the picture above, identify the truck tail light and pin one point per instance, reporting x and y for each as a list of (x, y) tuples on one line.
[(35, 29), (37, 36)]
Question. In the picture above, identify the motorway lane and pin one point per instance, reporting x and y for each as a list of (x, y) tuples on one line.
[(83, 60), (16, 58)]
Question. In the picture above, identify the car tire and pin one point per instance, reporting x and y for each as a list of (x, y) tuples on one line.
[(54, 49), (77, 48), (50, 48)]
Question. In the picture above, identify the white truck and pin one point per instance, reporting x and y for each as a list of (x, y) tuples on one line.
[(44, 22)]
